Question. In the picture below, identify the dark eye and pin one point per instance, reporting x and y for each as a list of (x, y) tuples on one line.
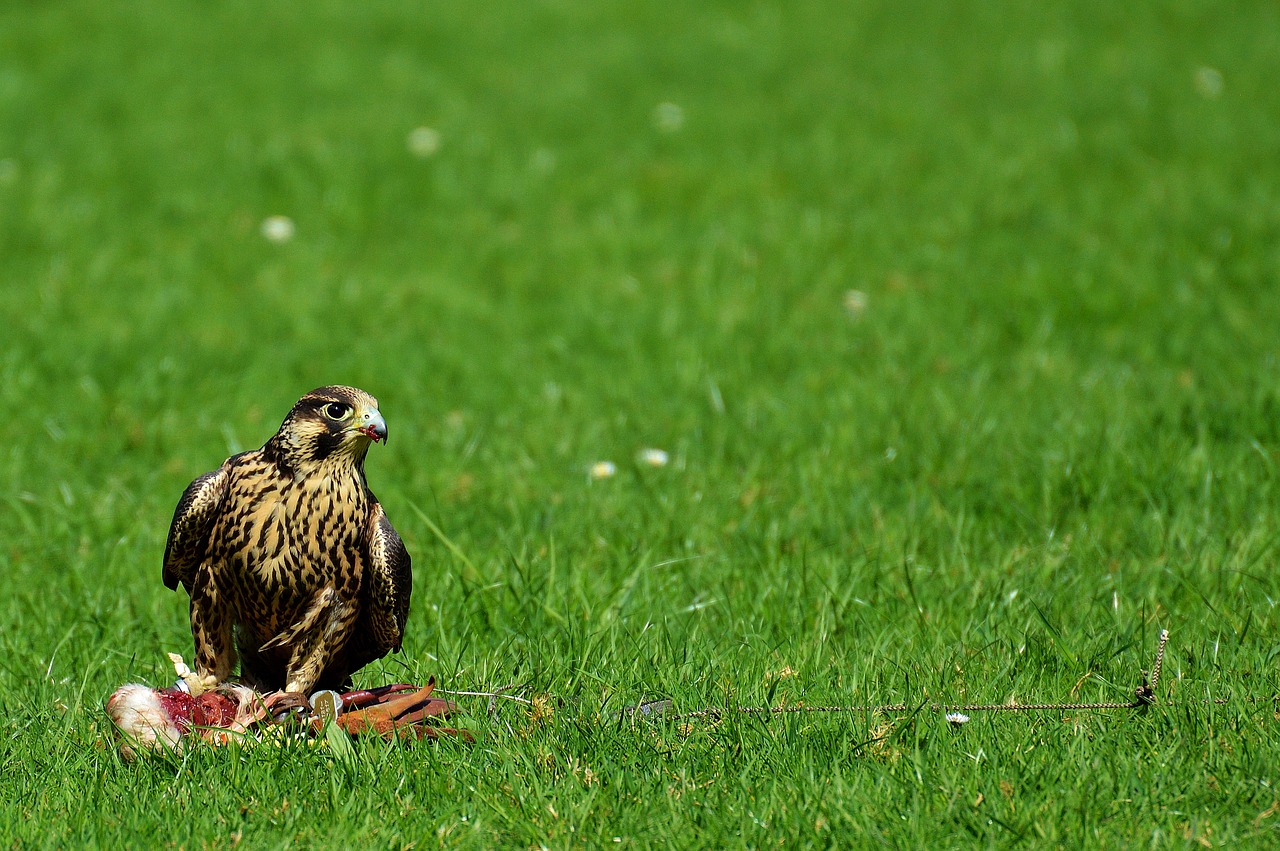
[(336, 410)]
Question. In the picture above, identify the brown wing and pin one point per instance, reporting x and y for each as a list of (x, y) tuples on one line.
[(193, 520), (390, 581)]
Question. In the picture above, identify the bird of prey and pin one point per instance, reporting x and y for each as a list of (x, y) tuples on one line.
[(288, 556)]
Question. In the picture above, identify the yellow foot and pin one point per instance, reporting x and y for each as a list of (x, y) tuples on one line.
[(197, 684)]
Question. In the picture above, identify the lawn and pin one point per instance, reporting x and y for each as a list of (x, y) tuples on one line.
[(957, 325)]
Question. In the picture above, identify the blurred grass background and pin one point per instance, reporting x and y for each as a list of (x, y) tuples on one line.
[(957, 323)]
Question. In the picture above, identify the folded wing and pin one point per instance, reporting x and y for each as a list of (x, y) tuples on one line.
[(193, 520)]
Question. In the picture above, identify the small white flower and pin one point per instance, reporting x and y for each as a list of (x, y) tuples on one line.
[(423, 142), (653, 457), (1208, 82), (957, 719), (855, 303), (278, 228), (602, 469), (668, 117)]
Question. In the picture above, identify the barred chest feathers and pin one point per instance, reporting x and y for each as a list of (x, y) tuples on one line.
[(300, 535)]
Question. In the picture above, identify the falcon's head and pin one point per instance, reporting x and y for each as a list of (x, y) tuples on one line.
[(329, 423)]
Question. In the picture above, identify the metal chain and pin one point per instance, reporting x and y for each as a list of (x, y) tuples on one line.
[(1144, 696)]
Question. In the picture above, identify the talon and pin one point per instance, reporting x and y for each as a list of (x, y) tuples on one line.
[(285, 705), (190, 681)]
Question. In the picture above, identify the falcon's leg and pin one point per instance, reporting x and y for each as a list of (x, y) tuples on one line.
[(358, 652), (323, 641), (211, 628)]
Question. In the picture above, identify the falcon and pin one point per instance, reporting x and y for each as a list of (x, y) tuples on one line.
[(289, 558)]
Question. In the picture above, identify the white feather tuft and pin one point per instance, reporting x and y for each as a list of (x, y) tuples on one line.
[(140, 718)]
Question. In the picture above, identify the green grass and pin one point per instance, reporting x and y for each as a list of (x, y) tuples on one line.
[(1053, 431)]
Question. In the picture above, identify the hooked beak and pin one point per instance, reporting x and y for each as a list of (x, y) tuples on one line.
[(371, 424)]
